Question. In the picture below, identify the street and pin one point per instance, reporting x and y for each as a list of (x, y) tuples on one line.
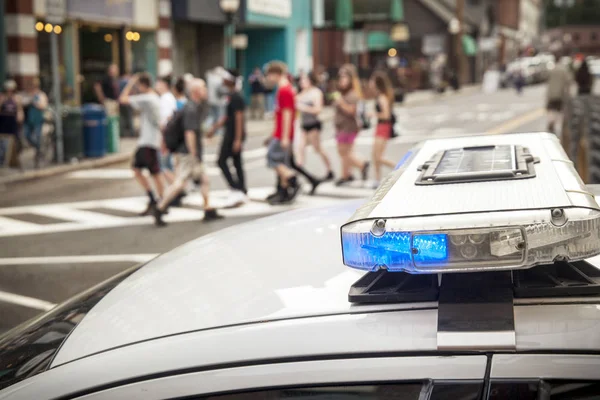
[(63, 234)]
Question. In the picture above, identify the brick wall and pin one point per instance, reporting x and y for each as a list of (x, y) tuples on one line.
[(22, 62)]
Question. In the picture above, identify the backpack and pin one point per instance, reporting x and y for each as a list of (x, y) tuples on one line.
[(174, 133)]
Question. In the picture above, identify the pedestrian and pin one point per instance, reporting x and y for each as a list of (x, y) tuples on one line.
[(310, 104), (584, 79), (346, 123), (146, 157), (280, 146), (107, 90), (168, 106), (257, 94), (215, 93), (519, 81), (11, 118), (180, 93), (188, 156), (233, 139), (384, 104), (559, 83), (34, 118)]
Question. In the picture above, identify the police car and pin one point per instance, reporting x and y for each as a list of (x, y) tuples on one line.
[(469, 275)]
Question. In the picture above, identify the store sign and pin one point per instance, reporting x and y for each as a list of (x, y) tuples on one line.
[(275, 8), (115, 11), (56, 11)]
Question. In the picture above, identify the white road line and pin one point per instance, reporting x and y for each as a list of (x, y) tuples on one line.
[(25, 301), (103, 258), (79, 217)]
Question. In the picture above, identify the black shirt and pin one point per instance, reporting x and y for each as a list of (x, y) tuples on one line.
[(236, 103), (193, 116), (110, 87)]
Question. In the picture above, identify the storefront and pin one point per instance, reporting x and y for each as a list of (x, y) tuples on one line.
[(98, 33), (198, 36), (277, 30)]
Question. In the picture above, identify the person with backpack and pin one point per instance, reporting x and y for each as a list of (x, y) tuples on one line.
[(384, 103), (346, 118), (147, 103), (183, 137)]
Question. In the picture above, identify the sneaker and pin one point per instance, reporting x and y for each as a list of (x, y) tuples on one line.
[(330, 176), (177, 201), (149, 209), (365, 171), (212, 215), (158, 221), (343, 181), (277, 198), (236, 198), (293, 190)]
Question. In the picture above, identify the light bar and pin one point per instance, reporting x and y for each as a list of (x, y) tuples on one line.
[(382, 244), (475, 203)]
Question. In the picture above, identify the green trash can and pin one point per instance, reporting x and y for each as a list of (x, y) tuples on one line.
[(113, 134), (72, 133)]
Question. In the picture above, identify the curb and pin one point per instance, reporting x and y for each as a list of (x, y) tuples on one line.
[(63, 169), (121, 157)]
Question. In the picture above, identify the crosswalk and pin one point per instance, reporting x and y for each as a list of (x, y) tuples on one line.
[(120, 212)]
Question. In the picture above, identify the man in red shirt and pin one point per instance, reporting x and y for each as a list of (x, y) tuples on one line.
[(279, 155)]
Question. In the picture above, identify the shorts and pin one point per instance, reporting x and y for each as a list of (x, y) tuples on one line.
[(346, 137), (554, 105), (277, 155), (383, 130), (311, 126), (147, 158), (188, 167)]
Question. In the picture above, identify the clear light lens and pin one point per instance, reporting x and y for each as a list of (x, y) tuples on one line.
[(454, 250)]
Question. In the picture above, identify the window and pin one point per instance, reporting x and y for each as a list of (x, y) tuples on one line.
[(403, 391), (544, 390)]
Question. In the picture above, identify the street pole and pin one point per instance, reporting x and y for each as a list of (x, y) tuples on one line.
[(460, 12), (57, 102)]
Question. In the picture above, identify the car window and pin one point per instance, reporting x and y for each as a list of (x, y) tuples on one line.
[(398, 391), (544, 390)]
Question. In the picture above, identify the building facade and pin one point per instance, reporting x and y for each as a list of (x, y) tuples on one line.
[(277, 30), (199, 36), (134, 34)]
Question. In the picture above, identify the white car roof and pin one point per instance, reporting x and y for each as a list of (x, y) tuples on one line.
[(285, 266)]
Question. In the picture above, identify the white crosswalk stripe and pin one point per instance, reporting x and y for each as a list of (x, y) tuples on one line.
[(121, 212)]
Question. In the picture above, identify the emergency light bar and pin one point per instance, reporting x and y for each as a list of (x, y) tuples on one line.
[(476, 203)]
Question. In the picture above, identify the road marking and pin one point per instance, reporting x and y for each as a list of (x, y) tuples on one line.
[(508, 126), (26, 301), (103, 258), (88, 215)]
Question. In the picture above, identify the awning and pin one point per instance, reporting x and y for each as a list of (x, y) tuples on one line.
[(344, 14), (379, 40), (397, 10), (469, 45)]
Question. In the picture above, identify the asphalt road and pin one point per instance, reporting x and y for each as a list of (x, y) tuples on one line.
[(63, 234)]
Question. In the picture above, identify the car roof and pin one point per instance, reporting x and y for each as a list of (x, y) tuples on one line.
[(284, 266)]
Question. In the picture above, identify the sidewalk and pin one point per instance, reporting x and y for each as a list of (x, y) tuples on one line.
[(260, 128)]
